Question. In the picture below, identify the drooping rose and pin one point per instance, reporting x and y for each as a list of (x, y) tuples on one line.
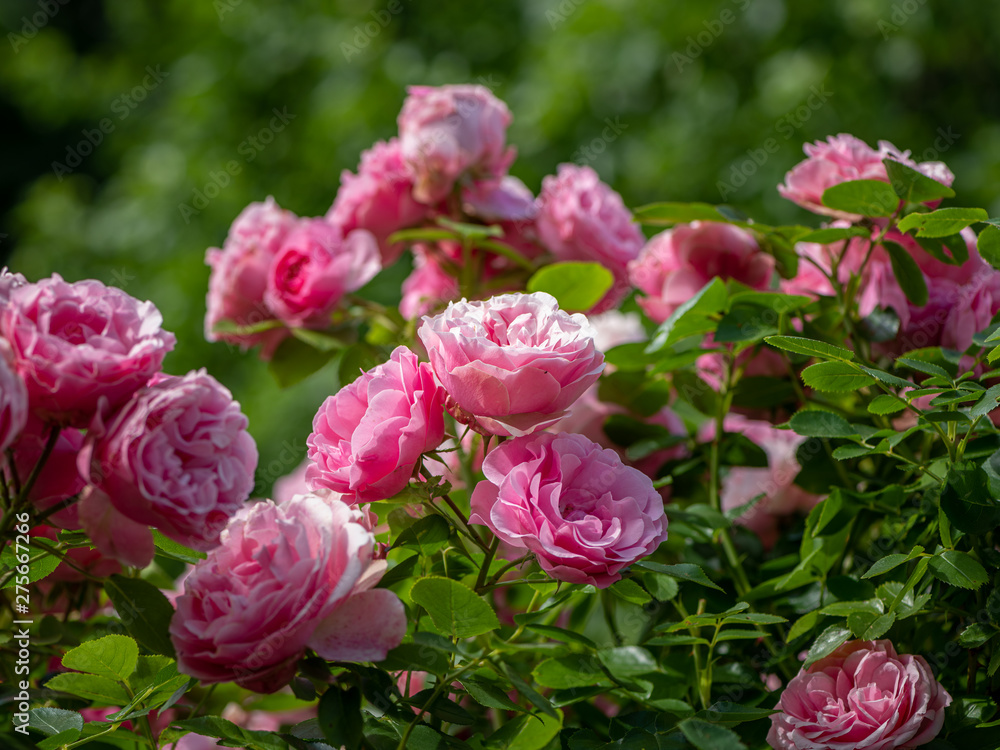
[(428, 286), (449, 132), (676, 264), (864, 695), (842, 158), (75, 344), (575, 505), (515, 363), (379, 198), (368, 437), (240, 272), (315, 267), (285, 578), (13, 399), (177, 457), (582, 219)]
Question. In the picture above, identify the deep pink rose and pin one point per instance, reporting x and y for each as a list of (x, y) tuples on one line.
[(368, 437), (582, 219), (13, 399), (676, 264), (864, 695), (59, 479), (515, 363), (842, 158), (315, 267), (379, 198), (575, 505), (428, 286), (283, 579), (240, 272), (77, 344), (449, 132), (177, 456)]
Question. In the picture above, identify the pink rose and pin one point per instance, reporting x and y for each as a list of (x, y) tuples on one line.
[(240, 273), (428, 285), (77, 344), (67, 588), (283, 579), (8, 283), (59, 479), (13, 399), (315, 268), (864, 695), (582, 219), (582, 512), (843, 158), (452, 131), (506, 199), (368, 437), (515, 363), (676, 264), (178, 457), (378, 198)]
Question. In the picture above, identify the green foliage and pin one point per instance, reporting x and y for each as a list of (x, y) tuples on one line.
[(577, 287)]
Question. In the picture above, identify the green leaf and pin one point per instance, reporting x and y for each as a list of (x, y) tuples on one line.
[(870, 625), (144, 611), (913, 186), (630, 591), (538, 700), (51, 721), (575, 670), (176, 551), (232, 735), (534, 734), (887, 379), (908, 274), (627, 661), (755, 618), (36, 570), (968, 497), (489, 694), (958, 569), (887, 563), (943, 222), (826, 643), (835, 377), (886, 404), (231, 326), (733, 713), (663, 588), (666, 214), (576, 286), (455, 608), (340, 716), (318, 340), (294, 361), (469, 231), (865, 197), (745, 323), (692, 317), (976, 635), (810, 347), (823, 424), (706, 736), (804, 624), (833, 234), (683, 571), (59, 741), (419, 656), (105, 690), (988, 244), (427, 535), (112, 656), (987, 402)]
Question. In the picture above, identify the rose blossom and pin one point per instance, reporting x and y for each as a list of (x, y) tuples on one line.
[(283, 579), (76, 344), (178, 457), (675, 264), (515, 363), (378, 198), (368, 437), (8, 283), (863, 695), (13, 399), (582, 512), (582, 219), (449, 131), (427, 286), (240, 272), (315, 267), (842, 158), (59, 479)]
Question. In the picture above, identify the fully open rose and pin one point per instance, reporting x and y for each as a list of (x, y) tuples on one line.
[(283, 579), (864, 695), (515, 363), (582, 512)]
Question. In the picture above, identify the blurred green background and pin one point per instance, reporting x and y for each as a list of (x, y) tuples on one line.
[(119, 113)]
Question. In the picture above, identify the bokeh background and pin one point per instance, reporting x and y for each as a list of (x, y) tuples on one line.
[(121, 117)]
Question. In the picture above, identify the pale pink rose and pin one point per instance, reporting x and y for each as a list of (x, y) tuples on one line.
[(864, 695), (285, 578), (13, 399), (582, 219), (514, 363), (614, 328), (676, 264), (379, 198), (575, 505), (9, 281), (428, 286), (75, 344), (315, 267), (240, 272), (368, 437), (741, 484), (450, 132), (290, 485), (842, 158), (59, 479), (177, 456)]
